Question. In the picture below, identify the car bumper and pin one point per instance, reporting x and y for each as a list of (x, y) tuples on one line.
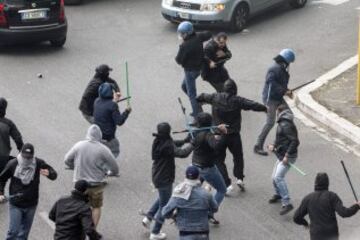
[(197, 17), (33, 34)]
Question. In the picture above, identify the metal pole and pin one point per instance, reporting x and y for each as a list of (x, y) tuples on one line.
[(127, 84), (349, 180)]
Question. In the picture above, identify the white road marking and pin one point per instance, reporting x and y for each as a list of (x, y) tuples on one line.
[(330, 2), (45, 216)]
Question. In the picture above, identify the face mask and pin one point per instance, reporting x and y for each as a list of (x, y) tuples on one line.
[(180, 37)]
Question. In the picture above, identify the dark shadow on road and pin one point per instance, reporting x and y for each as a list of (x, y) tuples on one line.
[(30, 49)]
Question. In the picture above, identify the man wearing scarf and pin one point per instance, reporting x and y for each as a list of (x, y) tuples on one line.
[(164, 152), (24, 173), (193, 205)]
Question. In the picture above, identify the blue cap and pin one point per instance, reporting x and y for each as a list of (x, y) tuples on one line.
[(192, 173)]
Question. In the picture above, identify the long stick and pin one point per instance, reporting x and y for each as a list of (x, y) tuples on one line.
[(194, 129), (349, 180), (183, 109), (302, 85), (123, 99), (293, 166), (127, 84)]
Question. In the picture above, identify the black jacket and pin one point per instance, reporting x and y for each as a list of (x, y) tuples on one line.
[(30, 192), (73, 218), (8, 129), (205, 148), (226, 108), (164, 152), (91, 93), (321, 206), (276, 84), (191, 52), (219, 73), (287, 140)]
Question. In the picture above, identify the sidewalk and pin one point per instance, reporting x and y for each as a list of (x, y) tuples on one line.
[(330, 102)]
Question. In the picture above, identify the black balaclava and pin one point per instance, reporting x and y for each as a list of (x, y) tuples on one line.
[(280, 60), (3, 106), (321, 182), (230, 87), (204, 119), (161, 140)]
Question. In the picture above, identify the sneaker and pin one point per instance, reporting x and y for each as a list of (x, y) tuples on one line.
[(241, 184), (229, 189), (213, 221), (146, 222), (260, 151), (286, 209), (159, 236), (274, 199)]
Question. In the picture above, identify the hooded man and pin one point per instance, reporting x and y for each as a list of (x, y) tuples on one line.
[(107, 116), (24, 173), (226, 109), (7, 129), (92, 162), (206, 144), (164, 152), (86, 106), (321, 206), (275, 88), (216, 54), (191, 57), (192, 204), (285, 149), (72, 215)]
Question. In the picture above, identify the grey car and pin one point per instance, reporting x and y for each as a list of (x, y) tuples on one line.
[(229, 13)]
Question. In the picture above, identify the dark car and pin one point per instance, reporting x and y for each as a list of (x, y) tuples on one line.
[(33, 21)]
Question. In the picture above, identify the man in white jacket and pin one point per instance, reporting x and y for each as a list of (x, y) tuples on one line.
[(92, 161)]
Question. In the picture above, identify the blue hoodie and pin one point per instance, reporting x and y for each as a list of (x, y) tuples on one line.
[(106, 112)]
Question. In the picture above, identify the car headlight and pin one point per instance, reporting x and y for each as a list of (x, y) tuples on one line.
[(213, 7), (168, 2)]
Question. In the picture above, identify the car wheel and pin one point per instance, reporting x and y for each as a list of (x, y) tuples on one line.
[(297, 3), (239, 18), (58, 43), (72, 2)]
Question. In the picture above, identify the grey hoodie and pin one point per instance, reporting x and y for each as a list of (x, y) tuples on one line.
[(90, 159)]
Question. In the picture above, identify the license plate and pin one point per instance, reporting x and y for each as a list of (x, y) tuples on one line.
[(184, 15), (34, 15)]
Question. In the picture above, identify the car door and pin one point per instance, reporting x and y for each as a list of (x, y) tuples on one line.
[(31, 13)]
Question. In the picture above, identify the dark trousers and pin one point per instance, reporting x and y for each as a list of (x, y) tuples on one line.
[(216, 77), (234, 143)]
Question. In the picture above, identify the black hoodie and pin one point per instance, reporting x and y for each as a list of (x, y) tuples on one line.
[(227, 106), (164, 152), (7, 129), (321, 206)]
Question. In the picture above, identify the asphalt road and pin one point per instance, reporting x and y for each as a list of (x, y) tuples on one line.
[(113, 31)]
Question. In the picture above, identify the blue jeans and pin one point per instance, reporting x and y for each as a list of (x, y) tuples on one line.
[(214, 178), (20, 222), (278, 179), (195, 237), (155, 210), (189, 87)]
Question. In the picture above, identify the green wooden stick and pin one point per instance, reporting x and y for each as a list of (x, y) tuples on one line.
[(293, 166), (127, 83)]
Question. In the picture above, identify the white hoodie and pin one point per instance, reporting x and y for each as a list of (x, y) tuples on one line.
[(90, 159)]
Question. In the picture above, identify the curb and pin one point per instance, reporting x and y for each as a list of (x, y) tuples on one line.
[(305, 102)]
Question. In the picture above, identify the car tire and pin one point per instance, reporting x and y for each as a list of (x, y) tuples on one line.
[(73, 2), (297, 3), (58, 43), (239, 18)]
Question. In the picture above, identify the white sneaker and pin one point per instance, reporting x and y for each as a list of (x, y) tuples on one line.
[(146, 222), (229, 189), (240, 184), (159, 236)]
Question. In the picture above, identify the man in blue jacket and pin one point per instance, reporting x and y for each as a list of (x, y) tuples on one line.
[(276, 87), (107, 116), (192, 204)]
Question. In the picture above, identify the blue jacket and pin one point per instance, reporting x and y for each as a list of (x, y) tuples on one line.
[(276, 84), (106, 112), (193, 214)]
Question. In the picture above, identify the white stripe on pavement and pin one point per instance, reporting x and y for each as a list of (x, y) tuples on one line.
[(331, 2), (45, 216)]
